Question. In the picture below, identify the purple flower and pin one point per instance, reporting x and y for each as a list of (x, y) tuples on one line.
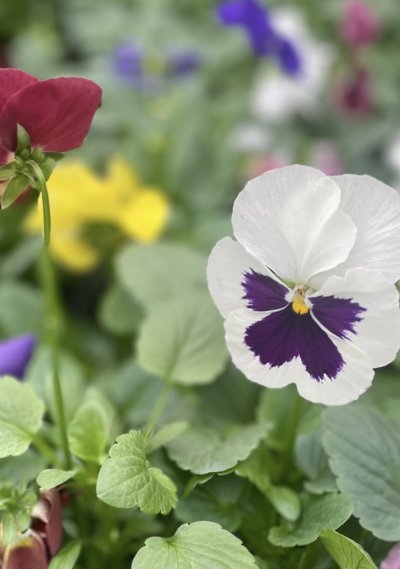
[(182, 62), (129, 64), (264, 39), (15, 354)]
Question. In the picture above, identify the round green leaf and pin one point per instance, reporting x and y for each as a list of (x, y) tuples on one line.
[(182, 340), (21, 413), (126, 479), (155, 272), (195, 546), (202, 449), (52, 477), (119, 313), (320, 513), (364, 451)]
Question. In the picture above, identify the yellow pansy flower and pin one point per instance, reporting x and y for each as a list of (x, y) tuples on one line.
[(78, 197)]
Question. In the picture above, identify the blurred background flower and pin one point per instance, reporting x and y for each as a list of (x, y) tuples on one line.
[(82, 201)]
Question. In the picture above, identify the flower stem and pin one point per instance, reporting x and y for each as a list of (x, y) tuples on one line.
[(53, 312)]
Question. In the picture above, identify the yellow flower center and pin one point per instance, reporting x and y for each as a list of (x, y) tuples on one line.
[(298, 304)]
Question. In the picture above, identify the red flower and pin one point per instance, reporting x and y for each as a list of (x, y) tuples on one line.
[(56, 113), (35, 548)]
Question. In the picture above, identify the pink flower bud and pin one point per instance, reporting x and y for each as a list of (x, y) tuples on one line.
[(360, 24)]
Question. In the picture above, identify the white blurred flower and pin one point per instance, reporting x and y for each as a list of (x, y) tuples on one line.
[(277, 96), (392, 154)]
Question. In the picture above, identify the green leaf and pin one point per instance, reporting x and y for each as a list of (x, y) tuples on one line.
[(347, 553), (88, 432), (320, 513), (119, 313), (52, 477), (39, 375), (67, 557), (21, 309), (156, 272), (364, 451), (216, 501), (22, 469), (8, 171), (126, 479), (195, 546), (182, 341), (202, 449), (312, 459), (166, 434), (21, 414), (15, 187), (285, 501), (255, 468)]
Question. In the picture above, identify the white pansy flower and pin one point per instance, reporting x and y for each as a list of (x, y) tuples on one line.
[(278, 96), (307, 289)]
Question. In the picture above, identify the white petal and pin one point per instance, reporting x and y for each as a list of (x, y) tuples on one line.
[(226, 266), (375, 210), (289, 219), (355, 378), (350, 383), (378, 333)]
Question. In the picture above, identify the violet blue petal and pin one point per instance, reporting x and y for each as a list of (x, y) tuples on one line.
[(253, 17), (183, 63), (338, 315), (127, 62), (285, 335), (263, 293), (288, 56), (15, 354)]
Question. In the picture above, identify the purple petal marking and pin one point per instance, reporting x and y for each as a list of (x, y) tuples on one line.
[(263, 293), (15, 355), (338, 315), (284, 335)]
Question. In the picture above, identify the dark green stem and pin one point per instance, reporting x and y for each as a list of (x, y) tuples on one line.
[(53, 312)]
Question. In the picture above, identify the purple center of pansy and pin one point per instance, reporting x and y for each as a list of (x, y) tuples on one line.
[(286, 334)]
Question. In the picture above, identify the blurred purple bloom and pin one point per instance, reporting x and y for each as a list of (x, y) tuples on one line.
[(15, 354), (392, 560), (264, 39), (129, 64), (182, 62)]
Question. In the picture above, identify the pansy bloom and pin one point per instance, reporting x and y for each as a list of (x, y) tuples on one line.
[(55, 116), (15, 354), (264, 38), (307, 290)]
